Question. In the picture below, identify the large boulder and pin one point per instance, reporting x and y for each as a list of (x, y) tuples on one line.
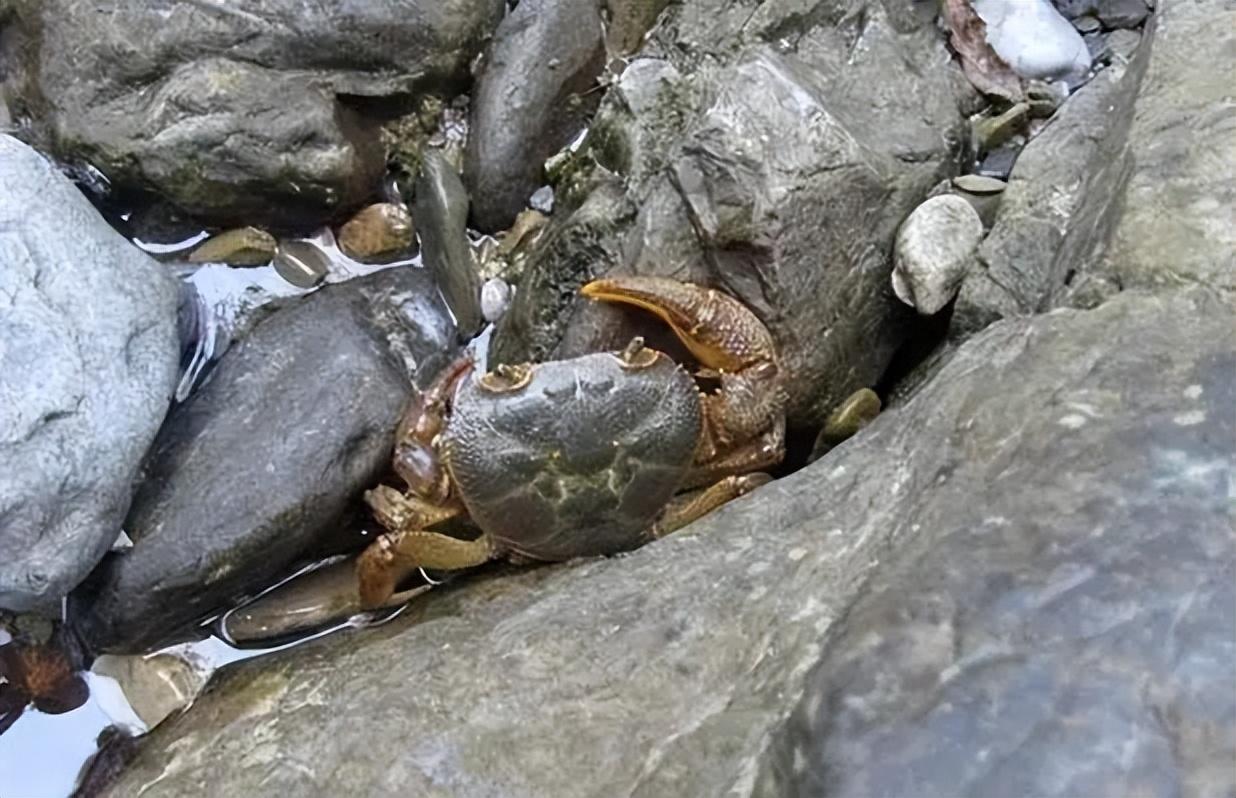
[(88, 362), (244, 112), (715, 190), (1064, 477), (266, 461)]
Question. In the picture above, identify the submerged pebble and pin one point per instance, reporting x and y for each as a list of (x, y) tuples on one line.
[(932, 251), (979, 184), (243, 246), (301, 263), (378, 232)]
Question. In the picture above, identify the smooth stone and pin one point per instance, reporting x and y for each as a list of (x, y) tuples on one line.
[(302, 263), (495, 298), (1034, 39), (542, 200), (533, 96), (264, 464), (933, 250), (442, 218), (999, 163), (850, 418), (1122, 13), (979, 184), (1031, 558), (992, 132), (88, 362), (245, 246), (378, 232), (155, 686), (1087, 24), (243, 112)]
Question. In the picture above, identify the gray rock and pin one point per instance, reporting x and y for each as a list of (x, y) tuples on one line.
[(265, 460), (932, 251), (233, 111), (799, 228), (442, 217), (1122, 13), (529, 102), (1088, 589), (1066, 631), (88, 362)]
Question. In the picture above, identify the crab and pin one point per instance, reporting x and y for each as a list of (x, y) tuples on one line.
[(588, 456)]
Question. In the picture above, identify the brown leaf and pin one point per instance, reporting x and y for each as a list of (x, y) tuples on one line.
[(985, 69)]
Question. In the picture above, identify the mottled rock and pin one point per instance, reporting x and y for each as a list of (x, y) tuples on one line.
[(378, 232), (442, 217), (1088, 589), (265, 460), (1034, 39), (699, 182), (243, 246), (88, 363), (933, 250), (530, 101), (249, 112)]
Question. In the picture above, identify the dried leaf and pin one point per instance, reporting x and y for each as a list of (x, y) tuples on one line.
[(989, 73)]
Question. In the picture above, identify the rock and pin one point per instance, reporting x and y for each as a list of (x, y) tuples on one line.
[(442, 216), (265, 460), (243, 246), (495, 298), (1068, 633), (933, 249), (1099, 558), (1122, 13), (628, 22), (696, 180), (999, 162), (379, 232), (990, 132), (1059, 200), (529, 102), (846, 421), (302, 263), (155, 686), (1035, 40), (244, 113), (1087, 24), (88, 363)]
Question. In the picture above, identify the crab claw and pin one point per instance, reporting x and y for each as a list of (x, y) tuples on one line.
[(727, 338)]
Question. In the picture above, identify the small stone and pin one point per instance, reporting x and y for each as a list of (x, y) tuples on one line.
[(992, 131), (243, 246), (495, 298), (378, 232), (933, 249), (542, 200), (979, 184), (999, 163), (1123, 13), (856, 412), (301, 263), (1087, 24), (155, 686), (1034, 39)]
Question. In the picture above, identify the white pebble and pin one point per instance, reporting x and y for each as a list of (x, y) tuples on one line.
[(933, 251), (495, 298), (1035, 40)]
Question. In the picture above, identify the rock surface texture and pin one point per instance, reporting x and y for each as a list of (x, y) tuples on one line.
[(88, 362), (242, 112), (1064, 476), (698, 180), (264, 461)]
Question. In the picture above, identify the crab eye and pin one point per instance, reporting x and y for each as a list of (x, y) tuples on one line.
[(505, 379), (636, 355)]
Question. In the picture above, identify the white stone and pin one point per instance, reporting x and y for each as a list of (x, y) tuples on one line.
[(933, 250), (495, 298), (1035, 40)]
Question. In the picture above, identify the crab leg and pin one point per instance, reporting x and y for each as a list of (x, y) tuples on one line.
[(684, 509), (725, 337), (395, 556)]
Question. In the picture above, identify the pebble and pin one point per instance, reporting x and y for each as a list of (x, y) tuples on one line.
[(1087, 24), (855, 413), (1034, 39), (243, 246), (542, 200), (496, 297), (1123, 13), (379, 232), (979, 184), (301, 263), (933, 250), (991, 132)]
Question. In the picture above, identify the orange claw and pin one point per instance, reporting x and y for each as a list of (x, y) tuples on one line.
[(721, 332)]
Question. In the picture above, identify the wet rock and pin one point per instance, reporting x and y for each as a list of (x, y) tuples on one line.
[(245, 113), (1092, 582), (698, 182), (245, 246), (265, 460), (1058, 206), (442, 216), (933, 250), (1035, 40), (1068, 634), (529, 102), (88, 363), (302, 263), (380, 232), (999, 163), (1087, 24), (155, 686)]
